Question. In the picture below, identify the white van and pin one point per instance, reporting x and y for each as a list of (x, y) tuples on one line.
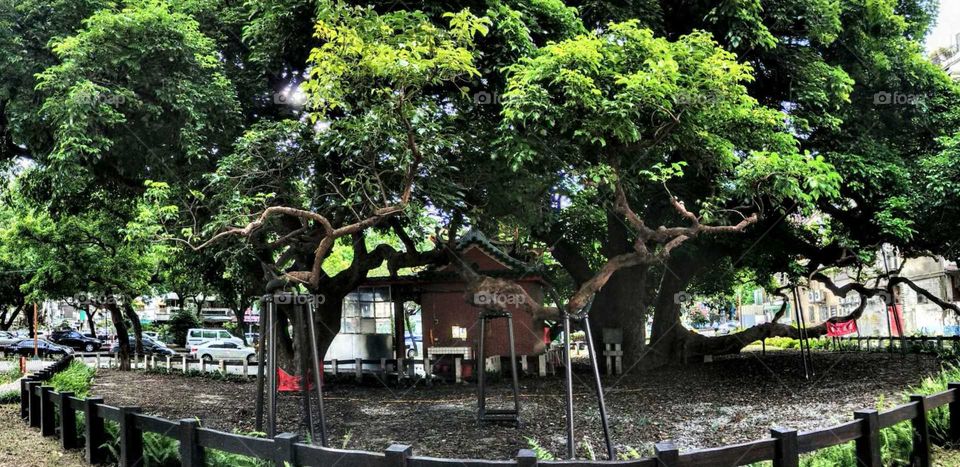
[(197, 336)]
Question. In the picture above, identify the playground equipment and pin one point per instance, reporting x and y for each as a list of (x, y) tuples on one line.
[(490, 415), (581, 317), (301, 312)]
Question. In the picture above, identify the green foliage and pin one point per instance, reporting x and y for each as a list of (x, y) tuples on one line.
[(541, 452), (163, 451), (181, 322), (11, 374), (76, 378), (10, 397)]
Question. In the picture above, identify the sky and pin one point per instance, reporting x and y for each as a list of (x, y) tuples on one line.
[(947, 27)]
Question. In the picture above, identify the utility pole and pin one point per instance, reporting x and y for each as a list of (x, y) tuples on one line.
[(36, 332)]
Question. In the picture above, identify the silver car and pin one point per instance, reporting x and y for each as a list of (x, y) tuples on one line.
[(7, 338)]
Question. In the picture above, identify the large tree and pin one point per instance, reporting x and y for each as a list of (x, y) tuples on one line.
[(754, 133)]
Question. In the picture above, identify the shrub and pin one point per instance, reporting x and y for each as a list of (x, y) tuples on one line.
[(76, 378)]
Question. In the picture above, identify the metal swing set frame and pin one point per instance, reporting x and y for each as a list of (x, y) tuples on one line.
[(303, 307)]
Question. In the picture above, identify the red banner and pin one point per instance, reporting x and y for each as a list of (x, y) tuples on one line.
[(841, 329), (895, 315), (289, 383)]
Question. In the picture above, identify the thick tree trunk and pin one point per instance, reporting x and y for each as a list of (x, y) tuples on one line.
[(327, 323), (6, 323), (90, 322), (239, 313), (123, 339), (622, 304), (131, 314)]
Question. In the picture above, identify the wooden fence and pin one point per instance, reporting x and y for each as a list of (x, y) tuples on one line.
[(41, 406), (884, 342), (357, 367)]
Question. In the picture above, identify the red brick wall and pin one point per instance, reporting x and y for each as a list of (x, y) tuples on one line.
[(444, 306)]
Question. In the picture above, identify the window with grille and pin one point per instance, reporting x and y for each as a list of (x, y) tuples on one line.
[(368, 310)]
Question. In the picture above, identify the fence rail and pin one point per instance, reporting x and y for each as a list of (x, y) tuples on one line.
[(357, 367), (41, 406)]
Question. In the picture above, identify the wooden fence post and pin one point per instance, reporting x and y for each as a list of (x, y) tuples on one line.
[(168, 364), (524, 366), (191, 453), (954, 409), (527, 458), (542, 365), (397, 455), (246, 367), (186, 366), (95, 434), (458, 369), (203, 365), (787, 452), (666, 453), (25, 398), (47, 418), (34, 408), (358, 369), (921, 433), (131, 438), (333, 364), (223, 367), (68, 422), (285, 451), (868, 444)]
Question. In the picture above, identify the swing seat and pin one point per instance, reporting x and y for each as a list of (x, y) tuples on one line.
[(291, 383)]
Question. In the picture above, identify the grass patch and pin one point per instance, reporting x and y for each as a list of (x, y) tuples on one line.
[(10, 397), (12, 374)]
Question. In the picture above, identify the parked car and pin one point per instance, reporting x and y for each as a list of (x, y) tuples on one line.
[(7, 338), (727, 328), (210, 351), (102, 337), (152, 334), (45, 348), (197, 336), (252, 337), (75, 340), (150, 347)]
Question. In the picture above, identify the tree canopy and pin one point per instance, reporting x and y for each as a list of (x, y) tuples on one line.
[(644, 148)]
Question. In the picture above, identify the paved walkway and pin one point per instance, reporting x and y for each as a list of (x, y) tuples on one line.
[(32, 366)]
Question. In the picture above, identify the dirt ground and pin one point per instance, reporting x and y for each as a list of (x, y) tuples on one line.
[(732, 399), (23, 446)]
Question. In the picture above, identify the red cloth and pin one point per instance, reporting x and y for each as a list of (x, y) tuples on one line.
[(895, 315), (841, 329), (290, 383)]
